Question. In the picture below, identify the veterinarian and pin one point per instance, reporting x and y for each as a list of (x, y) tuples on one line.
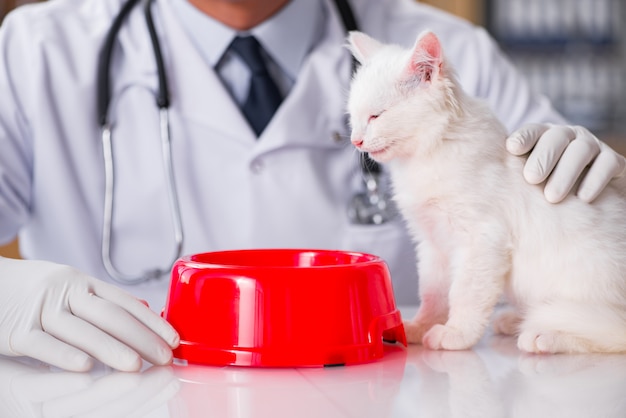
[(89, 180)]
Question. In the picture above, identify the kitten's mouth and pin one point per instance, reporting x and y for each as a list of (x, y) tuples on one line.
[(378, 153)]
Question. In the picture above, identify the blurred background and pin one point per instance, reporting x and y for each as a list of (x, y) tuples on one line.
[(573, 51)]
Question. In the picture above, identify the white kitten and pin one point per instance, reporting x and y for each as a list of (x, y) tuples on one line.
[(480, 228)]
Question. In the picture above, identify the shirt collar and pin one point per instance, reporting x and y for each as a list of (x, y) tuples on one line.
[(287, 37)]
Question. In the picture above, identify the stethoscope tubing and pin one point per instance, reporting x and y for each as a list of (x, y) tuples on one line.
[(369, 168), (163, 102)]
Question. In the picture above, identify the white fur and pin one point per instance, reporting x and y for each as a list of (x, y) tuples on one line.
[(480, 229)]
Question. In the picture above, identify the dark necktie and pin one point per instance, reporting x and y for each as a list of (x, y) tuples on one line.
[(263, 98)]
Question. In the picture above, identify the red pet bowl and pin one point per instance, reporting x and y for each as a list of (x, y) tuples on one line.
[(282, 308)]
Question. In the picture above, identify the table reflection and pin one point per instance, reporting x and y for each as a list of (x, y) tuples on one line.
[(365, 390), (30, 389), (497, 380), (493, 380)]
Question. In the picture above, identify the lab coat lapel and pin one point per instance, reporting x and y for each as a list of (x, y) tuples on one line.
[(313, 114)]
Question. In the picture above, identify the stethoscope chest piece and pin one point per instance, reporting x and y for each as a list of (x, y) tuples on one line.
[(373, 206)]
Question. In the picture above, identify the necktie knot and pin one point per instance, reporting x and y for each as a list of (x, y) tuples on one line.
[(263, 97), (249, 50)]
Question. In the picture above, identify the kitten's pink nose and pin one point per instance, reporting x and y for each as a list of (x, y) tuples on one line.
[(357, 142)]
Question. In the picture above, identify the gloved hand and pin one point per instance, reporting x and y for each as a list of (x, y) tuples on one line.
[(63, 317), (562, 153)]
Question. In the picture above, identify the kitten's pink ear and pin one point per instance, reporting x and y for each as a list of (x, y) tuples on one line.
[(427, 57), (362, 46)]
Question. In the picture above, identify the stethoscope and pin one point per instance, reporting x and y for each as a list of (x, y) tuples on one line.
[(372, 206)]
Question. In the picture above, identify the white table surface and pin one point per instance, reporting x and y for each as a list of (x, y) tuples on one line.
[(492, 380)]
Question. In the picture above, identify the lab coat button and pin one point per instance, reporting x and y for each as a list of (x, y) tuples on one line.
[(256, 166)]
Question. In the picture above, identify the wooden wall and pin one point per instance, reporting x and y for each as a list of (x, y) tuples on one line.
[(472, 10), (11, 250)]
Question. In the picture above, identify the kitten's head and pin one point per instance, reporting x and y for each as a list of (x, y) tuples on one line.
[(400, 100)]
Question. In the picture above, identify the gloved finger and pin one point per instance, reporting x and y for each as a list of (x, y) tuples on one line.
[(44, 347), (139, 311), (80, 333), (607, 166), (523, 140), (124, 327), (573, 162), (547, 153)]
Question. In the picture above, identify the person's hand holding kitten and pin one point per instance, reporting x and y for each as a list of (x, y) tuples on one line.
[(561, 154)]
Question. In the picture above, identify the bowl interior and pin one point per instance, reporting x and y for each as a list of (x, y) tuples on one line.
[(283, 258)]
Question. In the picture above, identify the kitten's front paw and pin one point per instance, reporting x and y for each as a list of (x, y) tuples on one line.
[(443, 337), (536, 342), (551, 342)]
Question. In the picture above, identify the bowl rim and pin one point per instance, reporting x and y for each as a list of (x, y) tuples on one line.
[(369, 259)]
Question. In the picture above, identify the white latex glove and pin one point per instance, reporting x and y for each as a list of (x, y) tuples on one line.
[(58, 315), (561, 154)]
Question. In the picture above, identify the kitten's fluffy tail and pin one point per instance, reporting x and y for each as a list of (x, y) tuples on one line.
[(575, 327)]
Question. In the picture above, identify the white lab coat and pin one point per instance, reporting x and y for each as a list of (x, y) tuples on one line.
[(290, 188)]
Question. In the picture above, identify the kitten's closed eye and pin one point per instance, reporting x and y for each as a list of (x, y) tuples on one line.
[(372, 117)]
